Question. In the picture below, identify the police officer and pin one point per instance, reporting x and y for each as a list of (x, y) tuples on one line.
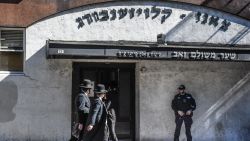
[(83, 105), (183, 105)]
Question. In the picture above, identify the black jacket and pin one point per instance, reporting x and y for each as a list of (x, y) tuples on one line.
[(97, 118), (97, 111), (183, 103)]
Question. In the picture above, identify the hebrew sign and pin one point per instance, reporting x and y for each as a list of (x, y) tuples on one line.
[(98, 50), (179, 55), (148, 13)]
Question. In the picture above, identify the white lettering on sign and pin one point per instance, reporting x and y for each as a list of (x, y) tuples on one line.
[(204, 55), (227, 56), (138, 54), (60, 51)]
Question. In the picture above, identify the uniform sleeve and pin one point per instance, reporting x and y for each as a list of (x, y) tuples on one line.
[(193, 104), (95, 109), (174, 104)]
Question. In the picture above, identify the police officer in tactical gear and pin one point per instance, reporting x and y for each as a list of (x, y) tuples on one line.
[(83, 105), (183, 105)]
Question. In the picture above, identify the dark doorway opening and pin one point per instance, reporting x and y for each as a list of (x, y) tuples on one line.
[(119, 77)]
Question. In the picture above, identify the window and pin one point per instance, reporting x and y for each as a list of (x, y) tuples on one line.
[(11, 49)]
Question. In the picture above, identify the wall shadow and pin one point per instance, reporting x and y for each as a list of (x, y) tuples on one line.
[(8, 100)]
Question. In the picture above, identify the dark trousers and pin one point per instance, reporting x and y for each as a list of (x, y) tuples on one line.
[(188, 122), (83, 121), (81, 135), (111, 125)]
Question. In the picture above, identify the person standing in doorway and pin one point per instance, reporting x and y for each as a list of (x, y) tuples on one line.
[(82, 103), (97, 129), (109, 101), (183, 105)]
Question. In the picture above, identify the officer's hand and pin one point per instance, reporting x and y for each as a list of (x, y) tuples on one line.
[(181, 113), (188, 112), (80, 126), (90, 127)]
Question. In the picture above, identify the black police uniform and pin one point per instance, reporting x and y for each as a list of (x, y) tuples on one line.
[(183, 102)]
